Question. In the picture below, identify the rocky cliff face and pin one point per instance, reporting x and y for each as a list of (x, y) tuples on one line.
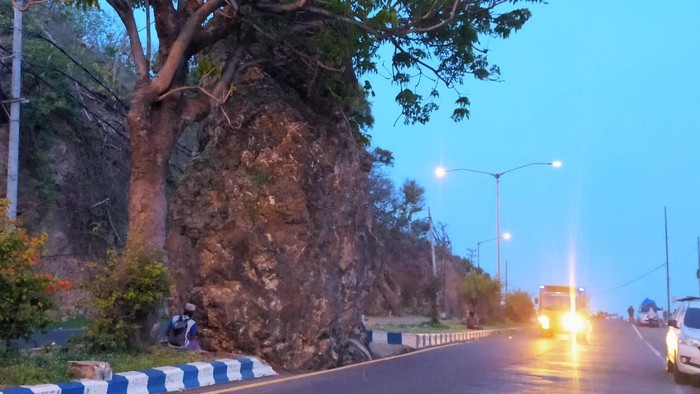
[(270, 231), (405, 283)]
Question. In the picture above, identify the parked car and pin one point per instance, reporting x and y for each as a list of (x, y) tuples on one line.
[(683, 340)]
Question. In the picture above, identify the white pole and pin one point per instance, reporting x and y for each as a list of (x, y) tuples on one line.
[(432, 242), (13, 145), (668, 279)]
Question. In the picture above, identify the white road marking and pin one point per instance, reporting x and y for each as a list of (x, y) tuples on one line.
[(645, 341)]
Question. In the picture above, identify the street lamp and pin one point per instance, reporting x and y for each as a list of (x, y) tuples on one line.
[(505, 236), (441, 172)]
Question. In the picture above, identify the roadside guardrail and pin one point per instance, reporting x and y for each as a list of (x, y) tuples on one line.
[(419, 341), (158, 380)]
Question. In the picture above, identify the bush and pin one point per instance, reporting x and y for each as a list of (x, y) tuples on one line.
[(26, 296), (519, 307), (481, 294), (126, 293)]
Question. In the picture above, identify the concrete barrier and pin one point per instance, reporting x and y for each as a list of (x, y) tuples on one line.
[(419, 341), (158, 380)]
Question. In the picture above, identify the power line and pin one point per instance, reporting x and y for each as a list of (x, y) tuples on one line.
[(635, 279)]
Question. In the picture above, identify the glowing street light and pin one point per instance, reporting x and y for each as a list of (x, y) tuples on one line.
[(505, 236), (441, 172)]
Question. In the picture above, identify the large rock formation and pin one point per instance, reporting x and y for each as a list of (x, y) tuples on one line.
[(270, 231), (405, 283)]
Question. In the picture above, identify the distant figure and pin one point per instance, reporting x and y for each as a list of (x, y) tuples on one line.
[(182, 330), (630, 312), (473, 321)]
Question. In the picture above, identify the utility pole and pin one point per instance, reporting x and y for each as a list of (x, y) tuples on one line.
[(13, 145), (432, 242), (698, 271), (668, 280), (506, 277), (436, 307)]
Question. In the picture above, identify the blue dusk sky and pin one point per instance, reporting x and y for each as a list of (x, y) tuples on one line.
[(609, 88)]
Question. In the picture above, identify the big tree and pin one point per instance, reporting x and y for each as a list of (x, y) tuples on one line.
[(325, 44)]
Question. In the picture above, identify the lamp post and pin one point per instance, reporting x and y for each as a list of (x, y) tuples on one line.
[(441, 172), (505, 236)]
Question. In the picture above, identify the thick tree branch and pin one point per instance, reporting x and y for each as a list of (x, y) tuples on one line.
[(165, 21), (126, 14), (223, 23), (180, 46), (280, 8), (202, 90), (228, 73)]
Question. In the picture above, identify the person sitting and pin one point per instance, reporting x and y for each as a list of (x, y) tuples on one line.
[(473, 321), (182, 330)]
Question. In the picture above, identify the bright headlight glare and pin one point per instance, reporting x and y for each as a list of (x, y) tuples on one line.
[(572, 322), (544, 321), (685, 340)]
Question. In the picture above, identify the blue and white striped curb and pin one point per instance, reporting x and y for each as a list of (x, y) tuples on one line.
[(419, 341), (159, 380)]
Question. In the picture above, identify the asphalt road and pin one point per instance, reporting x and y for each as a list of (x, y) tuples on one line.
[(53, 337), (619, 358)]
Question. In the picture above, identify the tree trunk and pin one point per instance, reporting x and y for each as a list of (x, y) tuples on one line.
[(153, 131)]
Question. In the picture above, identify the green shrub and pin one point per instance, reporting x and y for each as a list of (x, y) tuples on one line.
[(126, 293), (26, 295), (519, 307)]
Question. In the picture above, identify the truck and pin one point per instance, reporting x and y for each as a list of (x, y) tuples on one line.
[(563, 309)]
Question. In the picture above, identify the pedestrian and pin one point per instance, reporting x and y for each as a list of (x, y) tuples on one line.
[(473, 321), (182, 330), (630, 312)]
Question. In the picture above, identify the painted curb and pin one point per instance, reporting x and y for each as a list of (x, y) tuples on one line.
[(419, 341), (159, 380)]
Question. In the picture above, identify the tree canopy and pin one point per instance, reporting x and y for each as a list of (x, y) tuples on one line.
[(319, 48), (432, 42)]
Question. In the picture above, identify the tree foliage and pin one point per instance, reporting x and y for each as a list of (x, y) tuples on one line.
[(319, 48), (519, 306), (26, 294), (481, 294), (395, 209)]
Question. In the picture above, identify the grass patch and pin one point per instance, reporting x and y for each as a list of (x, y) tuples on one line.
[(50, 366), (427, 327)]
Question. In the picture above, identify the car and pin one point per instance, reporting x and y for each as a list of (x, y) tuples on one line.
[(683, 341), (647, 314)]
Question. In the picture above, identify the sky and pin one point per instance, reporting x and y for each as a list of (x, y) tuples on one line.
[(610, 89)]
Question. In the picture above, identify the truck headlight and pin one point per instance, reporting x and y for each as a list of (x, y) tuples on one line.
[(572, 322), (544, 321)]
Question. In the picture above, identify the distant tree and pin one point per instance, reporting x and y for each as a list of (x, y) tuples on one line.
[(442, 238), (411, 200), (519, 306), (322, 44), (396, 209), (482, 294)]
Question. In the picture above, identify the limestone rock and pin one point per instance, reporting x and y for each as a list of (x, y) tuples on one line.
[(270, 231), (92, 370)]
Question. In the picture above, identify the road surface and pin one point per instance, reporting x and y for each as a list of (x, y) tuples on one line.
[(619, 358)]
